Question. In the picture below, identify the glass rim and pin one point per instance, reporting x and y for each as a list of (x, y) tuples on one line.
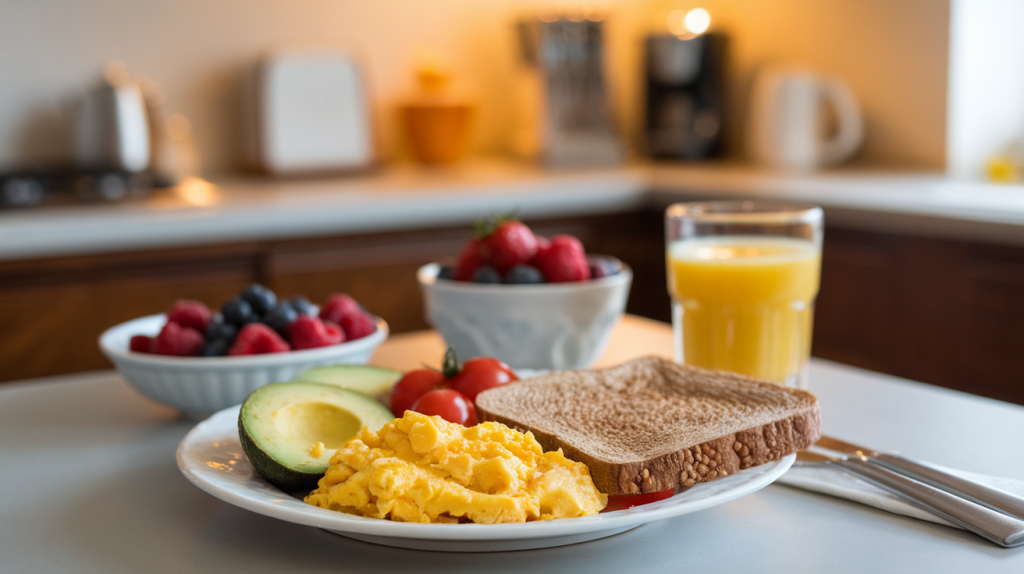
[(750, 211)]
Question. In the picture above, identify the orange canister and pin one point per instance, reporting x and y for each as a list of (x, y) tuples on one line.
[(437, 121)]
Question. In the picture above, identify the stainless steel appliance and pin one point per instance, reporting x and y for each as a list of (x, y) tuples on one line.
[(571, 124), (111, 126)]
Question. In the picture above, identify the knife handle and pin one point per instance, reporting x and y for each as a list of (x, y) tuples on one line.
[(1004, 530), (975, 492)]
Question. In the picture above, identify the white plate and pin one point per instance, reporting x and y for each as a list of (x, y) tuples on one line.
[(211, 457)]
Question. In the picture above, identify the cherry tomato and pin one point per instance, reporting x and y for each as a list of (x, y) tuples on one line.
[(411, 387), (624, 501), (480, 374), (450, 405)]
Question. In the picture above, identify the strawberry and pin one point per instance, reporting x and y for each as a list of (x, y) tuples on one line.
[(141, 344), (190, 314), (564, 260), (339, 306), (257, 338), (311, 332), (506, 243), (543, 246), (178, 341), (358, 326), (469, 261)]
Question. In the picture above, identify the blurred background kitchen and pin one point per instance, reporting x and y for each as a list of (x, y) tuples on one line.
[(180, 149)]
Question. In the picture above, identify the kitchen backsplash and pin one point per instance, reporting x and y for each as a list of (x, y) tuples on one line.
[(51, 50)]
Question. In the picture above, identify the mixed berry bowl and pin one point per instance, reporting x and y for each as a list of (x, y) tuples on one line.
[(562, 325), (199, 386)]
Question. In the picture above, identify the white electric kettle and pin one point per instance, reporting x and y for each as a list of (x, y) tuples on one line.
[(785, 130)]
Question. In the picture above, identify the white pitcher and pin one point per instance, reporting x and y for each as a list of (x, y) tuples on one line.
[(785, 117)]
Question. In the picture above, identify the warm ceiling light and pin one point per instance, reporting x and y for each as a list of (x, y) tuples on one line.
[(697, 21)]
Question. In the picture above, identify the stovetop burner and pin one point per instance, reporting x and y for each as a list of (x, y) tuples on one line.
[(62, 187)]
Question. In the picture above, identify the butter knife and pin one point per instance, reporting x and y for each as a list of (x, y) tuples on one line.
[(978, 493), (1004, 530)]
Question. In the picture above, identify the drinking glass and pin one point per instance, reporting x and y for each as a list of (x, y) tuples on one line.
[(743, 276)]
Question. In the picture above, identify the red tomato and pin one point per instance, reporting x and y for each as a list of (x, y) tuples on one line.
[(624, 501), (480, 374), (411, 387), (450, 405)]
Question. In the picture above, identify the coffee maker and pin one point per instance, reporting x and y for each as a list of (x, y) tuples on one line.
[(684, 112)]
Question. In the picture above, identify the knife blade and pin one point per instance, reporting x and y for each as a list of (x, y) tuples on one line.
[(995, 526), (982, 494)]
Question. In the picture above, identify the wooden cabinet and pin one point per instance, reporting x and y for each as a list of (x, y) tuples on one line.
[(948, 313), (54, 310)]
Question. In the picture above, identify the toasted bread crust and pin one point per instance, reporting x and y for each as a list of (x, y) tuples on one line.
[(620, 466)]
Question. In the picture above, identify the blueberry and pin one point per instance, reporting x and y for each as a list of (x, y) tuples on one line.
[(524, 274), (446, 272), (221, 330), (486, 275), (281, 316), (303, 306), (215, 348), (260, 298), (238, 312), (600, 266)]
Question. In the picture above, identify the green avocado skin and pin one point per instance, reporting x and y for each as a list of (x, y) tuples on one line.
[(274, 461), (275, 473)]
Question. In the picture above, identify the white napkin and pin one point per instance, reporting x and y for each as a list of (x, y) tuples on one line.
[(834, 482)]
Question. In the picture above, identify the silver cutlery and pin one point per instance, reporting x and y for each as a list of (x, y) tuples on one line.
[(999, 528), (978, 493)]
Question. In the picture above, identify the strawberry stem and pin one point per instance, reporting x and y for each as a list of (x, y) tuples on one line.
[(484, 226)]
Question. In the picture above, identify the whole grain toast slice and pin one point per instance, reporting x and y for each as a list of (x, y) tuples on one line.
[(651, 424)]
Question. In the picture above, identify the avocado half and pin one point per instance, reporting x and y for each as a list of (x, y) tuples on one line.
[(280, 425), (375, 382)]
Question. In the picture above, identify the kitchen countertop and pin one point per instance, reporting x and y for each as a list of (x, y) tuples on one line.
[(91, 485), (199, 212)]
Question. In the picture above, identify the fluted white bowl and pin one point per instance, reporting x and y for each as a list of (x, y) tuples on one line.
[(545, 326), (200, 386)]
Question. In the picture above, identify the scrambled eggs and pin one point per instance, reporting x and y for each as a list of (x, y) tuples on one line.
[(424, 469)]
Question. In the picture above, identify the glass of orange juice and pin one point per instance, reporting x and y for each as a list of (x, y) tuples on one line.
[(743, 276)]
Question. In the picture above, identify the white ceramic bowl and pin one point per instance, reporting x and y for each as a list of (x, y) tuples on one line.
[(199, 386), (546, 326)]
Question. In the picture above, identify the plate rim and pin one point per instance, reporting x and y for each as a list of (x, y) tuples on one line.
[(341, 523)]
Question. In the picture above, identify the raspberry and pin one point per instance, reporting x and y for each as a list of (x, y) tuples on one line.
[(338, 306), (358, 326), (310, 332), (141, 344), (178, 341), (190, 314), (565, 260), (256, 339)]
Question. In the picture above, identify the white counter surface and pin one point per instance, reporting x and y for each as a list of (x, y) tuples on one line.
[(410, 198), (91, 485)]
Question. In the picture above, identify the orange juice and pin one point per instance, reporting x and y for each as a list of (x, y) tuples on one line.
[(744, 303)]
